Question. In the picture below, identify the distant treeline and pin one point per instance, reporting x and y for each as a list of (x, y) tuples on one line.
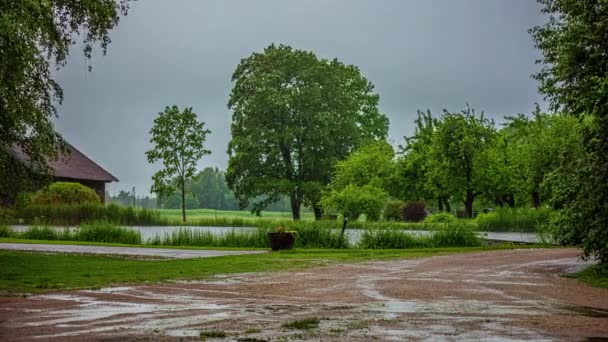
[(207, 190)]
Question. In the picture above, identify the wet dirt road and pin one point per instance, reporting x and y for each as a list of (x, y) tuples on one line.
[(495, 295)]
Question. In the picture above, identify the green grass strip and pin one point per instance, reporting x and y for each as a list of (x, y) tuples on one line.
[(30, 272)]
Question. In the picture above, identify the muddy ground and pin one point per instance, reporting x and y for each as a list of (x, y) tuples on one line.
[(496, 295)]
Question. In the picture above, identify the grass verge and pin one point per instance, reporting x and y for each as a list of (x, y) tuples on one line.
[(25, 272), (596, 276)]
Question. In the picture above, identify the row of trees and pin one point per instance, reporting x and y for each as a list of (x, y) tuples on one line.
[(457, 158)]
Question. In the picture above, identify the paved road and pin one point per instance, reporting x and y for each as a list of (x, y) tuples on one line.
[(137, 251), (496, 295)]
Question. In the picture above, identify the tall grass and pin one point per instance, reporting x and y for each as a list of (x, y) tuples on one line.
[(453, 235), (306, 238), (189, 237), (107, 232), (514, 220), (93, 232), (78, 213)]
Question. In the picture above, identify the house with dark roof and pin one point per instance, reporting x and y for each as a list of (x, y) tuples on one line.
[(73, 166)]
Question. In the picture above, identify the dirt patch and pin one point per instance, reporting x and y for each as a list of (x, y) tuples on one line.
[(504, 295)]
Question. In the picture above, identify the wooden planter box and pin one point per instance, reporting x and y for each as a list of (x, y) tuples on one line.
[(281, 240)]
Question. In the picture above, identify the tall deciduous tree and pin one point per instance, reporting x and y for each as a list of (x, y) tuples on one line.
[(422, 177), (294, 117), (35, 37), (574, 78), (178, 140), (460, 149)]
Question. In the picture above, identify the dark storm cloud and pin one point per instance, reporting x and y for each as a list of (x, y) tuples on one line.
[(419, 54)]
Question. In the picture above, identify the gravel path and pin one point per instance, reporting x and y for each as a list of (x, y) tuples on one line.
[(136, 251), (495, 295)]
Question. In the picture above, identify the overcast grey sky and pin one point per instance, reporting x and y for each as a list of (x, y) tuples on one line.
[(420, 54)]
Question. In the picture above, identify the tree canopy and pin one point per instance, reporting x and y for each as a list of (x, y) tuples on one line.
[(35, 37), (294, 116), (178, 140), (574, 78)]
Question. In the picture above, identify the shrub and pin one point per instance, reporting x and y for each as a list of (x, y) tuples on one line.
[(414, 211), (5, 232), (23, 199), (7, 215), (353, 200), (61, 193), (393, 210), (440, 218)]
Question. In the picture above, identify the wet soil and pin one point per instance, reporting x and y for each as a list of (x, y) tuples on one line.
[(495, 295)]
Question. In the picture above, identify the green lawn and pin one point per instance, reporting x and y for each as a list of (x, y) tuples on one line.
[(29, 272), (196, 214)]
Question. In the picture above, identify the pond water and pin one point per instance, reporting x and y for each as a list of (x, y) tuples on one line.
[(354, 235)]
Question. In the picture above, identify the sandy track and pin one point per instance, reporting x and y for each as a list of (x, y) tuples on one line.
[(497, 295)]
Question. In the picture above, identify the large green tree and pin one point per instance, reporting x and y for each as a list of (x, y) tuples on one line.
[(178, 139), (294, 116), (459, 150), (574, 78), (422, 178), (36, 37)]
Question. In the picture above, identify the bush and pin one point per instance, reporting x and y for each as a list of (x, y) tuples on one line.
[(393, 210), (5, 232), (441, 218), (353, 200), (7, 215), (414, 211), (62, 193)]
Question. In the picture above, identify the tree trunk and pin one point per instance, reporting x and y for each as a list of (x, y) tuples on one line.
[(318, 212), (446, 202), (510, 199), (440, 204), (183, 201), (468, 203), (536, 199), (295, 205)]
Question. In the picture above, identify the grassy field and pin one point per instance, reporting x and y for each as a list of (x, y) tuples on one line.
[(25, 272), (198, 214)]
